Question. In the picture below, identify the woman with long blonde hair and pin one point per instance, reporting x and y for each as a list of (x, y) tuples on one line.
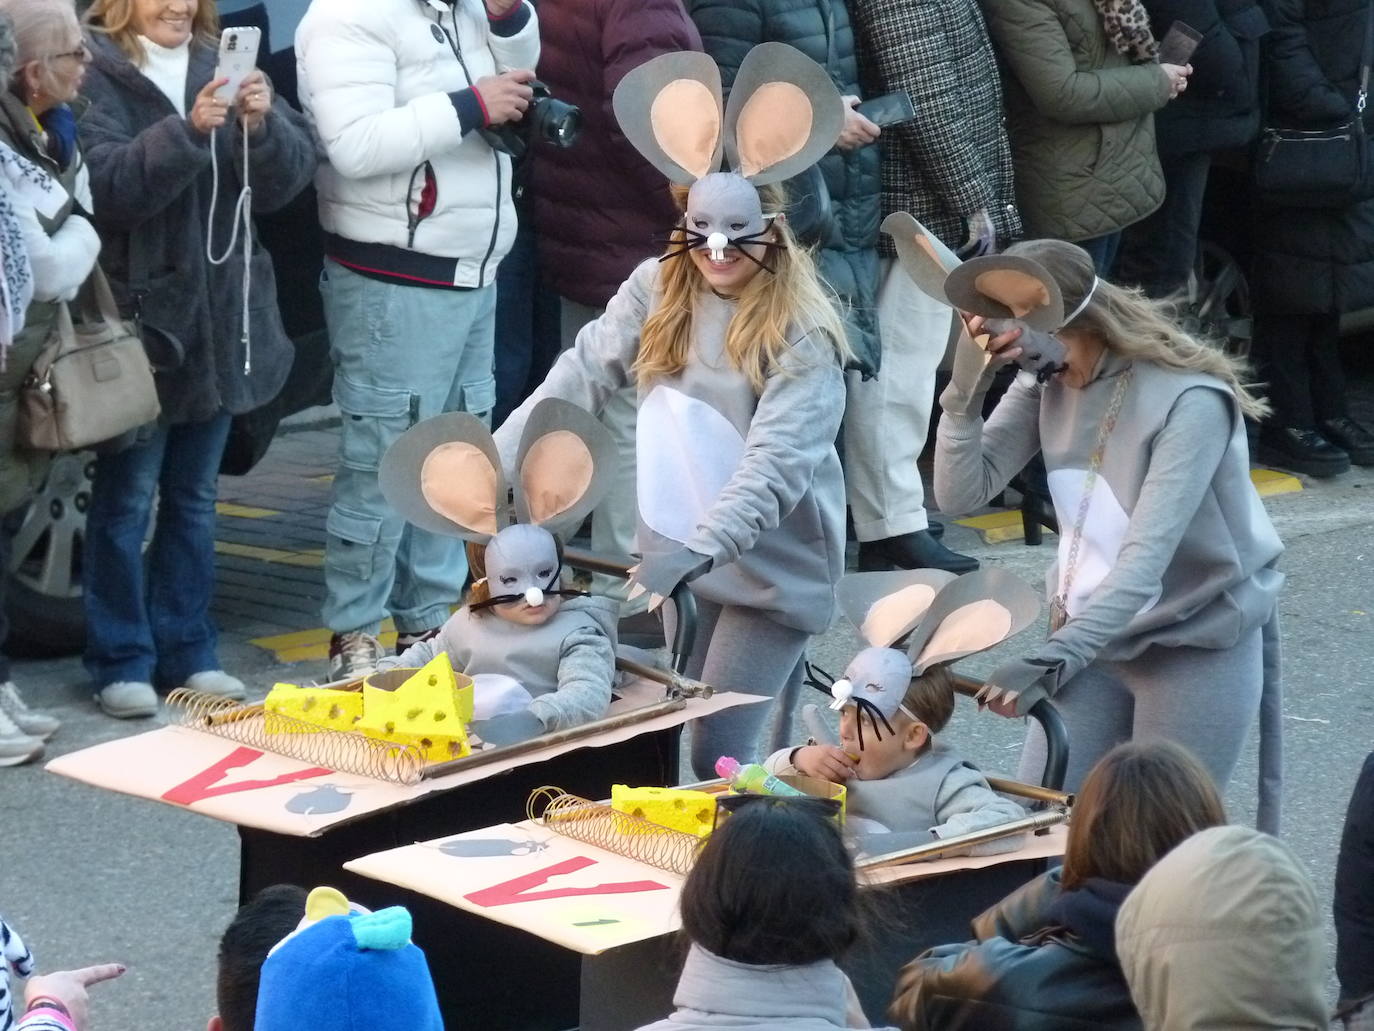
[(738, 360), (1164, 597)]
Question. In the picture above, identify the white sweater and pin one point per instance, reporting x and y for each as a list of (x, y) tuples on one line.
[(375, 78)]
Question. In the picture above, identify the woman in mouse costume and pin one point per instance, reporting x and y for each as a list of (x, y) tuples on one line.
[(1163, 601), (736, 351), (904, 785), (541, 657)]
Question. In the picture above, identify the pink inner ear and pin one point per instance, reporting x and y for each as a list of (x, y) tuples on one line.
[(555, 474), (460, 484), (686, 122), (774, 124), (889, 617), (969, 628), (1019, 291)]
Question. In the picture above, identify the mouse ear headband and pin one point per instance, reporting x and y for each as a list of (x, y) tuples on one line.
[(444, 474), (783, 115)]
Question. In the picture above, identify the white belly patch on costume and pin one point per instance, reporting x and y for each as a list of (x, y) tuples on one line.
[(686, 452), (1104, 531), (495, 694)]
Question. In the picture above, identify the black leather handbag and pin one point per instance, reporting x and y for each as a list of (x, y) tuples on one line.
[(1319, 168)]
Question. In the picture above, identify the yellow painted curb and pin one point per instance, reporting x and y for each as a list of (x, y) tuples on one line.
[(228, 508), (305, 645), (1269, 482), (313, 557), (997, 527)]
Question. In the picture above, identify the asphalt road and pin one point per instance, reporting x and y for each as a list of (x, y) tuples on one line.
[(87, 875)]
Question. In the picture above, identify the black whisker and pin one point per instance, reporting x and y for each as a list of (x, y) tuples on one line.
[(813, 678)]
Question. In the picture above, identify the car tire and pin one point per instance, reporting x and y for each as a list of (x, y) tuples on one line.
[(43, 582), (1219, 305)]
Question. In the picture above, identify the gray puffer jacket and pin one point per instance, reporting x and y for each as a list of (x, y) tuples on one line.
[(151, 180)]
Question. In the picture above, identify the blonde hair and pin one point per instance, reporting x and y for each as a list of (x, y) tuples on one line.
[(791, 297), (1134, 326), (42, 30), (115, 18)]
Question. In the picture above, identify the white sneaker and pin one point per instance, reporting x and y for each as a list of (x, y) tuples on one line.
[(353, 654), (127, 700), (217, 682), (16, 747), (30, 721)]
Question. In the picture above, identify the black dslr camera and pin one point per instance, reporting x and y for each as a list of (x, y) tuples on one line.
[(547, 118)]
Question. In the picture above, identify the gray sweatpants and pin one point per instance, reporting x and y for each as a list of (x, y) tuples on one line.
[(1202, 698), (739, 649)]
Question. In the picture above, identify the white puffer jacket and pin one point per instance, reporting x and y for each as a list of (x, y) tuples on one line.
[(375, 78)]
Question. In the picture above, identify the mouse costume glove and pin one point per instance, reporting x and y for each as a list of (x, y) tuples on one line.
[(510, 729), (1024, 681), (658, 575), (973, 373)]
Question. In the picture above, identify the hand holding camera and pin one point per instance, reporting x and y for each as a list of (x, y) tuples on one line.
[(506, 96)]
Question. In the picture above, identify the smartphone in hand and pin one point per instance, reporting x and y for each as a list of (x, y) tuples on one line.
[(1178, 44), (888, 109), (238, 56)]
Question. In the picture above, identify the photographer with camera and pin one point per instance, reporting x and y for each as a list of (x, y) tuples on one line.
[(417, 211)]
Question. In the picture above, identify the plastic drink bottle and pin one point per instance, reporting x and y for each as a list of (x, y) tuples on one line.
[(754, 779)]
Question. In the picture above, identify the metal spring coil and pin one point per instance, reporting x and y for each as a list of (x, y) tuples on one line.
[(251, 725), (596, 824)]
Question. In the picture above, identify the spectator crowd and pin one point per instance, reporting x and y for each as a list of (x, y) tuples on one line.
[(503, 224)]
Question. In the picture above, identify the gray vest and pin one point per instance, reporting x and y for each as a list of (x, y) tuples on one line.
[(905, 801)]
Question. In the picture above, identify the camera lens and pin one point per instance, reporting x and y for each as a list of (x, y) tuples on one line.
[(555, 122)]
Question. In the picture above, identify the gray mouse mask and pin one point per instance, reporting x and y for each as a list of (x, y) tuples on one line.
[(724, 210), (875, 681), (523, 564), (1042, 354)]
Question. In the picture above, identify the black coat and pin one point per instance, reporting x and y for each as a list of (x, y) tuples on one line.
[(1044, 960), (1314, 260), (151, 183), (1354, 901), (821, 30), (1220, 108)]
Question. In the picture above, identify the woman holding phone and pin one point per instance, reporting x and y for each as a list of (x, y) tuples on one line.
[(157, 127)]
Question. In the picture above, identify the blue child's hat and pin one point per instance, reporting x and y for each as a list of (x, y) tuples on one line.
[(346, 972)]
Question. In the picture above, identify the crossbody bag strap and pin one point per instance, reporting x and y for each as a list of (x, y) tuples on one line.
[(1366, 57)]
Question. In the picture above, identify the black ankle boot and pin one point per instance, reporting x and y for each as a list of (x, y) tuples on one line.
[(1302, 451), (1352, 438), (917, 550)]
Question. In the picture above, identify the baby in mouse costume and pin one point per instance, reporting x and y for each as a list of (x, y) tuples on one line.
[(904, 785), (736, 351), (541, 657)]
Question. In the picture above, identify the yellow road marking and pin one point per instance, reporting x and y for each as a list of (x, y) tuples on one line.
[(228, 508), (313, 557), (304, 645), (1270, 482)]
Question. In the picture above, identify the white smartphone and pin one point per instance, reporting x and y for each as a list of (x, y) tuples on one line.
[(238, 56)]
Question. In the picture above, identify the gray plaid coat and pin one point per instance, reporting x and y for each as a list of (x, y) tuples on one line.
[(953, 159)]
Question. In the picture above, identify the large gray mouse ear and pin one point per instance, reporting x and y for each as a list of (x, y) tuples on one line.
[(783, 116), (885, 607), (974, 613), (921, 254), (566, 465), (444, 475), (1006, 286), (670, 109)]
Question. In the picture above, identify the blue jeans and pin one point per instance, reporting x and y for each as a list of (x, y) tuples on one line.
[(528, 331), (154, 626), (401, 354), (1103, 250)]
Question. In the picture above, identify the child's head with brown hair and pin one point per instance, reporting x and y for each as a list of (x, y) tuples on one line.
[(773, 885), (1141, 800), (883, 748)]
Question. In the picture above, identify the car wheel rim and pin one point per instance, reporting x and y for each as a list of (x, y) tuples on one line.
[(47, 547)]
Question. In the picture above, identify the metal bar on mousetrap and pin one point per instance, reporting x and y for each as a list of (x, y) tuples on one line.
[(557, 737), (936, 849), (1034, 791), (680, 685)]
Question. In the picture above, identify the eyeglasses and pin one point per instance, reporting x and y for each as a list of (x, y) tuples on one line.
[(81, 53)]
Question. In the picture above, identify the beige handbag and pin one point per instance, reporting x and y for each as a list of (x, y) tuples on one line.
[(92, 380)]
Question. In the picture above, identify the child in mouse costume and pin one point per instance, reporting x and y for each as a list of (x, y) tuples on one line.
[(1163, 610), (541, 657), (737, 353), (904, 786)]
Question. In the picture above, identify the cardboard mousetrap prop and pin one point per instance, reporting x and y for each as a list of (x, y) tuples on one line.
[(233, 771)]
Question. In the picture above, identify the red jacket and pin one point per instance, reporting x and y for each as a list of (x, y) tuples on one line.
[(598, 205)]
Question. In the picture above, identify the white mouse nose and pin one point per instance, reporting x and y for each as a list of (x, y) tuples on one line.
[(841, 690), (534, 597), (716, 244)]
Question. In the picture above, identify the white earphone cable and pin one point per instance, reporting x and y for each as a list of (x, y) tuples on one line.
[(243, 219)]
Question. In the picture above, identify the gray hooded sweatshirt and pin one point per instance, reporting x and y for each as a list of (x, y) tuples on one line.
[(716, 993), (751, 481), (567, 663), (1225, 932)]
